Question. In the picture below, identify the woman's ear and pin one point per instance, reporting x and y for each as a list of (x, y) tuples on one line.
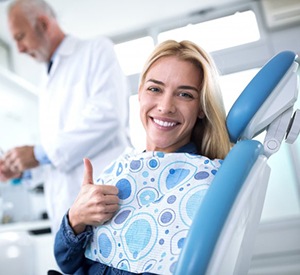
[(201, 114), (139, 93)]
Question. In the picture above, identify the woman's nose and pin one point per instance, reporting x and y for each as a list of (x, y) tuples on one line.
[(166, 104)]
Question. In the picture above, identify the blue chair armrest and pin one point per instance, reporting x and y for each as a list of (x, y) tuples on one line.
[(215, 207)]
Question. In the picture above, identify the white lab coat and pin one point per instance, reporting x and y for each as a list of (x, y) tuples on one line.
[(83, 113)]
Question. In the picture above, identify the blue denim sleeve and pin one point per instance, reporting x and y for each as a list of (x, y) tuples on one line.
[(69, 248)]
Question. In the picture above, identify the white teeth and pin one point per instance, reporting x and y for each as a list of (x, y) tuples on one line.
[(164, 123)]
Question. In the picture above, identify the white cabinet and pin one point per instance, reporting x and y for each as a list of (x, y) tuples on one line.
[(23, 252)]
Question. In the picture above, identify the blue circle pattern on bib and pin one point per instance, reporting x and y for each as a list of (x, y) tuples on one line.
[(159, 194)]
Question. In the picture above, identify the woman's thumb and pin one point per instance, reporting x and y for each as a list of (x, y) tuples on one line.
[(88, 172)]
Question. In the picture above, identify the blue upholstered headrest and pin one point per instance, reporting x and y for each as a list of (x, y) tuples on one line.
[(256, 92)]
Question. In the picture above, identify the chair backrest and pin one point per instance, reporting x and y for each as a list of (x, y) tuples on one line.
[(221, 237)]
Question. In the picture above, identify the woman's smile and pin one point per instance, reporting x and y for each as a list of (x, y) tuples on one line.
[(163, 123)]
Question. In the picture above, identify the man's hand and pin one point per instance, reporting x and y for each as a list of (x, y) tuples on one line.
[(95, 204), (6, 173), (19, 159)]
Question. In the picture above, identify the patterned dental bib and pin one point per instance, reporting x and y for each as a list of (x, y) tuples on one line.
[(159, 194)]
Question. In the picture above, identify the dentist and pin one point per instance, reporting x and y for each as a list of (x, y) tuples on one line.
[(83, 105)]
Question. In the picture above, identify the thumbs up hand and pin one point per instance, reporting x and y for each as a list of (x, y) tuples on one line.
[(88, 172), (95, 204)]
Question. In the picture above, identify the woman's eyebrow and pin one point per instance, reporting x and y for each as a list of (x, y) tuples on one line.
[(186, 87), (155, 81)]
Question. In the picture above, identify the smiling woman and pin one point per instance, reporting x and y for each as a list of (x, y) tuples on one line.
[(137, 215)]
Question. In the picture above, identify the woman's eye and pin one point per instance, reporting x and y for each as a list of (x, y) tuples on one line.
[(153, 89), (186, 95)]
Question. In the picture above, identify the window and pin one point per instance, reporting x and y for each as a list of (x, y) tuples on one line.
[(133, 54), (229, 31), (225, 32)]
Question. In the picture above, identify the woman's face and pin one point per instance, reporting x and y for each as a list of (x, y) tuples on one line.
[(170, 103)]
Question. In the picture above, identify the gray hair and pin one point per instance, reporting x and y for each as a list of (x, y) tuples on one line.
[(33, 8)]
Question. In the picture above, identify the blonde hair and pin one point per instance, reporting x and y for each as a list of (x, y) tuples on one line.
[(210, 133)]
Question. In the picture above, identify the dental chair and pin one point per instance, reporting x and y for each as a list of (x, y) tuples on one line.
[(222, 235)]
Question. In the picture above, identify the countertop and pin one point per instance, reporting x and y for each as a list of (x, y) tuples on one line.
[(42, 225)]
